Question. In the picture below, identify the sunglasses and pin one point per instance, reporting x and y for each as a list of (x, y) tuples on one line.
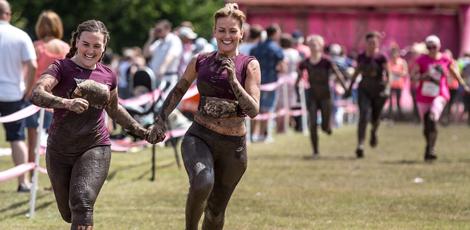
[(431, 47)]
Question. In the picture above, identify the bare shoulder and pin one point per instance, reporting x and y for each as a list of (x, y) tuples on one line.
[(253, 66)]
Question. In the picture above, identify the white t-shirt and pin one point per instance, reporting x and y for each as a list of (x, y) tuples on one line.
[(15, 48), (170, 45)]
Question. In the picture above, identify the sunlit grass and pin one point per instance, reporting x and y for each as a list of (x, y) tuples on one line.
[(284, 190)]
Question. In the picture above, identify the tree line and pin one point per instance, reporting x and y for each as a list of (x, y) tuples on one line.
[(127, 20)]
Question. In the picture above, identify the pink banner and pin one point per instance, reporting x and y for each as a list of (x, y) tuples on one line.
[(349, 27)]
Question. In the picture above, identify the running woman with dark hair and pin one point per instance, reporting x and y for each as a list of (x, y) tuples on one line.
[(373, 89), (79, 89)]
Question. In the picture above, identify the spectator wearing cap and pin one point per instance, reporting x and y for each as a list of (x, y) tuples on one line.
[(299, 45), (164, 49), (187, 37)]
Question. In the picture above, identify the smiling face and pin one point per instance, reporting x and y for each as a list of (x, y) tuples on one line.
[(90, 48), (228, 34)]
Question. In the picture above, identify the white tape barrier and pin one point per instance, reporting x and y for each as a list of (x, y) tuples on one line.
[(20, 114), (154, 96), (18, 171), (126, 145), (280, 113), (289, 79)]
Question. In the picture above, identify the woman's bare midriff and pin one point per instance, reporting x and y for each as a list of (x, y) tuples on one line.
[(232, 126)]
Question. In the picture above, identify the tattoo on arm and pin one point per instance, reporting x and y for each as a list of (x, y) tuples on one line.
[(174, 97), (122, 117), (247, 103), (42, 96)]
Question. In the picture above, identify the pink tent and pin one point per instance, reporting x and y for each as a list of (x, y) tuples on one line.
[(346, 21)]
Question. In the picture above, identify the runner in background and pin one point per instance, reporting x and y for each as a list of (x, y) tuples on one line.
[(319, 68), (373, 89), (398, 73), (432, 94)]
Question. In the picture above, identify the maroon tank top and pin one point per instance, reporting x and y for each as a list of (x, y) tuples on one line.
[(212, 81)]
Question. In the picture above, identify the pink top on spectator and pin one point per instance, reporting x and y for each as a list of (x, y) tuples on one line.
[(438, 69), (45, 58)]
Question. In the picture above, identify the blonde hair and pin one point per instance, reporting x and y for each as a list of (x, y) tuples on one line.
[(49, 24), (230, 10), (316, 37)]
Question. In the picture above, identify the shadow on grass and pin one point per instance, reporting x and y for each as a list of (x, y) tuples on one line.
[(20, 203), (23, 213), (328, 158), (274, 157), (113, 173), (148, 171), (422, 162)]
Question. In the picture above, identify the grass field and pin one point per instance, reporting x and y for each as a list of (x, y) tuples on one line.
[(282, 189)]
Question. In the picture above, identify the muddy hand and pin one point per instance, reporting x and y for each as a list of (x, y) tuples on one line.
[(157, 132), (229, 65), (77, 105)]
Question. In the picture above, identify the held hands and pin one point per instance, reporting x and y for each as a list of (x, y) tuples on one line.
[(347, 93), (157, 131), (77, 105)]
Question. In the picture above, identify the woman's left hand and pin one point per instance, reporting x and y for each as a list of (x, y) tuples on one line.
[(157, 131)]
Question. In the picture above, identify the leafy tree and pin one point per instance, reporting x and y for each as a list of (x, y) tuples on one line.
[(127, 20)]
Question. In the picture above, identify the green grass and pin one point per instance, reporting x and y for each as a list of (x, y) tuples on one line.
[(283, 190)]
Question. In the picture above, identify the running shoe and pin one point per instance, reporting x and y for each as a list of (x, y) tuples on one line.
[(359, 153)]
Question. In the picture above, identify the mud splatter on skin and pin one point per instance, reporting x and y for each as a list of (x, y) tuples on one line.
[(247, 103), (122, 117), (157, 134), (42, 97), (219, 108)]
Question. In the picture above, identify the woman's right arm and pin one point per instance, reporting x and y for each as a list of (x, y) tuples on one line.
[(43, 97), (177, 93), (157, 133)]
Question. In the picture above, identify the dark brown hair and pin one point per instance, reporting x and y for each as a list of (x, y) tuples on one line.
[(88, 26), (374, 34)]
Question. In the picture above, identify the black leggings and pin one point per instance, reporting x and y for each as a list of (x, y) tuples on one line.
[(215, 164), (397, 93), (324, 106), (369, 100), (76, 181)]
